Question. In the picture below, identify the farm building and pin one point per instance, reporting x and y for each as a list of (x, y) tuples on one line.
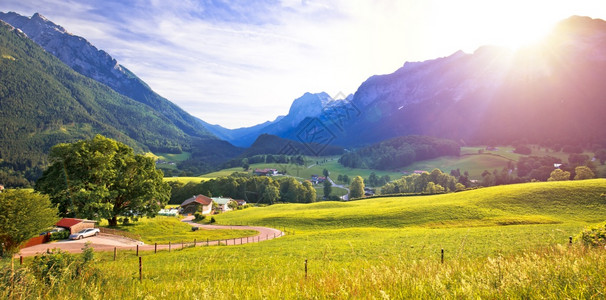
[(222, 203), (193, 204), (75, 225)]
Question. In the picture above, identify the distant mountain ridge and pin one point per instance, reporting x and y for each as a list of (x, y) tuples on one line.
[(44, 102), (87, 60), (550, 92), (309, 105)]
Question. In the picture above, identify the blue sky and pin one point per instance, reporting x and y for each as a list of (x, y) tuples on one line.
[(240, 63)]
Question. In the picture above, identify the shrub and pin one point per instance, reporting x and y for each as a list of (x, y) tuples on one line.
[(199, 217), (212, 220), (58, 266), (59, 235), (593, 236)]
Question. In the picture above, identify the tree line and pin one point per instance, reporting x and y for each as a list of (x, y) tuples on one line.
[(252, 189), (399, 152), (434, 182)]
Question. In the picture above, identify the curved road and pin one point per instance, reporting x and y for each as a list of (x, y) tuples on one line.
[(107, 242)]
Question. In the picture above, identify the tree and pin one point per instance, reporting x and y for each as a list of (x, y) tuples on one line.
[(24, 214), (601, 155), (310, 192), (327, 188), (559, 175), (326, 173), (583, 172), (245, 164), (103, 178), (356, 189)]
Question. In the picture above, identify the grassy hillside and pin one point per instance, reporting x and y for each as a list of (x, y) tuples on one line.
[(499, 242), (570, 202)]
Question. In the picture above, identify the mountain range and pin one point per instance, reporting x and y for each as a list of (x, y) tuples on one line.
[(548, 92), (57, 87)]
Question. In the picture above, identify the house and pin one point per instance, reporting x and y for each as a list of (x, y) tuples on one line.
[(222, 203), (75, 225), (265, 172), (419, 172), (1, 188), (240, 202), (315, 179), (557, 166), (194, 203), (368, 192)]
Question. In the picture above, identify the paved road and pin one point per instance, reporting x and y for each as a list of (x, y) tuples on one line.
[(107, 242), (344, 197)]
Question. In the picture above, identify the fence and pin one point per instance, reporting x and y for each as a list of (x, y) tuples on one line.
[(41, 239)]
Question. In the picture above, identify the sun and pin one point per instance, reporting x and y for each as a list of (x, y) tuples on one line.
[(517, 34)]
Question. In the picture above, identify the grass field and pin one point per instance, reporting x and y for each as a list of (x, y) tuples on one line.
[(499, 242), (470, 160), (162, 230), (186, 180)]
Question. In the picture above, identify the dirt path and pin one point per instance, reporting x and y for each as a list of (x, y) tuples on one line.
[(107, 242)]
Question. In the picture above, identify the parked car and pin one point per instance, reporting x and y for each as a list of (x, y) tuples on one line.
[(84, 233)]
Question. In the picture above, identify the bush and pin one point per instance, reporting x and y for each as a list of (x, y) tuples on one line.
[(59, 235), (59, 266), (212, 220), (593, 236), (199, 217)]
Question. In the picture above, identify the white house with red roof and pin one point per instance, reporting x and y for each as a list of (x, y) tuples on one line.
[(192, 205)]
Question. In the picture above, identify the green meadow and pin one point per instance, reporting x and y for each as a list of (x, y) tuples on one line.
[(163, 229), (499, 242)]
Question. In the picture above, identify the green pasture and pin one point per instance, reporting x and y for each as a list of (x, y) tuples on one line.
[(186, 180), (162, 230), (499, 242)]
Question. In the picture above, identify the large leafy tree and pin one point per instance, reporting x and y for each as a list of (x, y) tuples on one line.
[(356, 189), (583, 172), (559, 175), (24, 214), (103, 178)]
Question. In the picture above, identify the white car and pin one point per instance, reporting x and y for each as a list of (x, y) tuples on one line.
[(84, 233)]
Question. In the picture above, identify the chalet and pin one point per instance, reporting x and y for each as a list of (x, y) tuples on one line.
[(194, 203), (315, 179), (75, 225), (265, 172), (557, 166), (222, 203), (369, 192), (240, 202)]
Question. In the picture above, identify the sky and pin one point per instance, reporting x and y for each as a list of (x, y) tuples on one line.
[(240, 63)]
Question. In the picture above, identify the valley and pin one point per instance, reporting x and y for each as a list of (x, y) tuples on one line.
[(467, 176)]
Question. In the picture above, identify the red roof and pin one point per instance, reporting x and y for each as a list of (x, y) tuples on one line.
[(203, 200), (68, 222)]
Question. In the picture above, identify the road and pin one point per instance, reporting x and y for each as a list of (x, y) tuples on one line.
[(344, 197), (107, 242)]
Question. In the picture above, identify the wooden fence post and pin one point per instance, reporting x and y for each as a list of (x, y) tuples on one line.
[(181, 244), (442, 255), (570, 240), (306, 269), (194, 243), (155, 247), (115, 250), (137, 249), (169, 246), (20, 260), (140, 271)]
